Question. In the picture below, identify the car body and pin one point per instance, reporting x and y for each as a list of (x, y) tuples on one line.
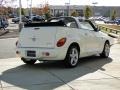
[(15, 20), (3, 23), (28, 19), (12, 15), (37, 18), (24, 19), (58, 38), (109, 21), (118, 21)]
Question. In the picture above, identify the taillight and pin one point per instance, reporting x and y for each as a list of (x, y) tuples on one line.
[(61, 42)]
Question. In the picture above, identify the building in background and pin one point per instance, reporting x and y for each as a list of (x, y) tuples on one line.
[(63, 10), (99, 10)]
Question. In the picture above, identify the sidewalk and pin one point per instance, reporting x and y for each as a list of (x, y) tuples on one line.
[(92, 73), (12, 26), (2, 32)]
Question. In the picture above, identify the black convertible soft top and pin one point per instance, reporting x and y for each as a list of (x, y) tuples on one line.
[(59, 23)]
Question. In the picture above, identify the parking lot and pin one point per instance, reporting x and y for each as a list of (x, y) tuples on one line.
[(92, 73)]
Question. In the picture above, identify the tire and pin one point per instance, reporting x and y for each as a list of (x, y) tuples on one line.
[(29, 21), (106, 50), (72, 57), (30, 62)]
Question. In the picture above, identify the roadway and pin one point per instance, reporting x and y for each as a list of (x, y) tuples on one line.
[(92, 73)]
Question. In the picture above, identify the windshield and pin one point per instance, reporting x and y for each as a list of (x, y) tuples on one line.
[(87, 24)]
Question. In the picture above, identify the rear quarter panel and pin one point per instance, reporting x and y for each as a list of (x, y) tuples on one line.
[(72, 35)]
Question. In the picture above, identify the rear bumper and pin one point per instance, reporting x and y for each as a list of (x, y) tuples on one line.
[(54, 54)]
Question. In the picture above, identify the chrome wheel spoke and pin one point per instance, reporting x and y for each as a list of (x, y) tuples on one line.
[(74, 56), (72, 61), (107, 49)]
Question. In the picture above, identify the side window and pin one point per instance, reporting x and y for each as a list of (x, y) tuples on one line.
[(70, 22), (86, 25), (72, 25)]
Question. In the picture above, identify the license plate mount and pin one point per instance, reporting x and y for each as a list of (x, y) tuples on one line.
[(31, 53)]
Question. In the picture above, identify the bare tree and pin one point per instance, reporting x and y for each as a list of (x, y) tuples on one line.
[(87, 12), (4, 2)]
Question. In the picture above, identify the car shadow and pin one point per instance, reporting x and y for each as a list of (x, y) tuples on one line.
[(50, 75)]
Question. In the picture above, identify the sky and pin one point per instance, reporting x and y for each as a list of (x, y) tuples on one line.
[(38, 3)]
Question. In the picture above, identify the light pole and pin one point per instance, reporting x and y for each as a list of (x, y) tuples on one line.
[(31, 8), (68, 8), (27, 8), (20, 16), (94, 4), (20, 6)]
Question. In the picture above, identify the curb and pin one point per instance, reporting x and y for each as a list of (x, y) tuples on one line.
[(3, 32), (113, 35)]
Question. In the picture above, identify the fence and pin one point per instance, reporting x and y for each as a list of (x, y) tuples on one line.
[(109, 30)]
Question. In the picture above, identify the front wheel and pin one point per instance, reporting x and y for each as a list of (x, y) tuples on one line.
[(72, 57), (106, 50), (30, 62)]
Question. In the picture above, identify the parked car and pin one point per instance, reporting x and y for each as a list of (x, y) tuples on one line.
[(24, 19), (15, 20), (12, 16), (3, 22), (118, 21), (37, 18), (28, 19), (108, 21), (64, 38)]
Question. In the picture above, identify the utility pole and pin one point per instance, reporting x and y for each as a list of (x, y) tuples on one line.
[(68, 8), (31, 9), (27, 8), (20, 16), (20, 6), (94, 4)]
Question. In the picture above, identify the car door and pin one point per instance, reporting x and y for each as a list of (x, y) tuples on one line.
[(91, 42), (99, 38), (77, 34)]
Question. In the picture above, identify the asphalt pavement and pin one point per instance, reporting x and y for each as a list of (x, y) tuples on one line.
[(12, 31), (7, 47), (92, 73)]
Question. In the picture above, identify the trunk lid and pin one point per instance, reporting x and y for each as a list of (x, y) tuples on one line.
[(38, 37)]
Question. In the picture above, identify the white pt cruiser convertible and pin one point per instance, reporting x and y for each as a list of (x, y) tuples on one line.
[(63, 38)]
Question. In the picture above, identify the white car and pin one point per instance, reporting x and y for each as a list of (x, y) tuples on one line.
[(64, 38)]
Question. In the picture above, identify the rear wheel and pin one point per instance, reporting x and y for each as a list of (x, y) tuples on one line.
[(72, 57), (106, 50), (30, 62)]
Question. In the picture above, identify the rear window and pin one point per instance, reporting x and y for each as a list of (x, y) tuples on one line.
[(45, 24), (69, 22), (55, 19)]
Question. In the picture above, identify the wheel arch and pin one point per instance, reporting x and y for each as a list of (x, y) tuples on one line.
[(74, 44), (66, 61), (107, 41)]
